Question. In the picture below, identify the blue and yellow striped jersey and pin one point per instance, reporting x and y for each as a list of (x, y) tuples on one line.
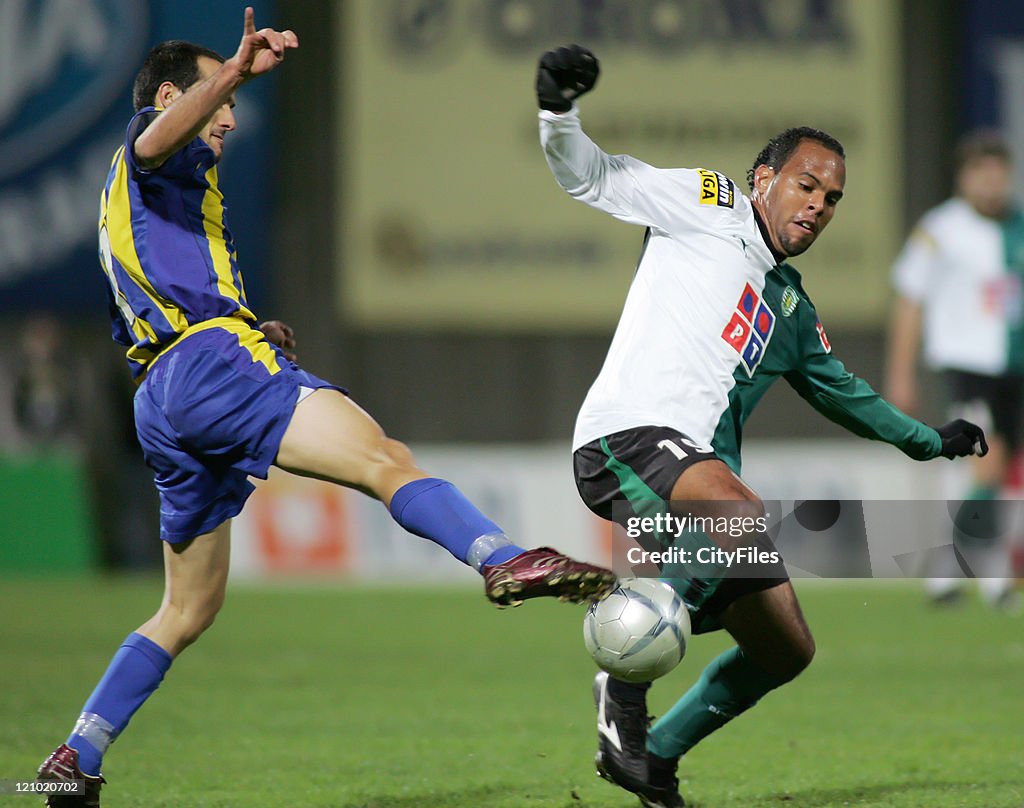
[(166, 248)]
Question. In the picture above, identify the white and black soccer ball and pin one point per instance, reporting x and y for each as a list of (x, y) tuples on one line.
[(639, 632)]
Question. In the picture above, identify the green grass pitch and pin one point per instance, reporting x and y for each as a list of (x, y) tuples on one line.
[(395, 698)]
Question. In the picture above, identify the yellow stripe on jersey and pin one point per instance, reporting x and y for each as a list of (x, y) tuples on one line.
[(107, 263), (250, 338), (213, 224), (122, 245), (256, 344)]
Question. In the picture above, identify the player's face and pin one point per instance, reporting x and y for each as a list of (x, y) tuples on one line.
[(798, 201), (987, 184), (223, 120)]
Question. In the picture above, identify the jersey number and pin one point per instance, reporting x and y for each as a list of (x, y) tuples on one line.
[(679, 452), (107, 259)]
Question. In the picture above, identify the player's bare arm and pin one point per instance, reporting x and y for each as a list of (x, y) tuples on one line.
[(188, 110), (904, 343)]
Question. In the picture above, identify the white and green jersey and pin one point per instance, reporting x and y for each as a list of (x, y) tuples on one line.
[(710, 321), (965, 270)]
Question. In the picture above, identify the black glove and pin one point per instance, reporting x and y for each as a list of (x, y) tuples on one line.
[(563, 75), (961, 438)]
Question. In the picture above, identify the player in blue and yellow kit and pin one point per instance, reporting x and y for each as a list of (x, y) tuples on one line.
[(220, 399)]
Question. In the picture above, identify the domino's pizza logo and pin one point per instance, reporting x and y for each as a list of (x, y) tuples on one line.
[(750, 328)]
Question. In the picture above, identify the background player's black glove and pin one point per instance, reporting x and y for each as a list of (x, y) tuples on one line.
[(961, 438), (563, 75)]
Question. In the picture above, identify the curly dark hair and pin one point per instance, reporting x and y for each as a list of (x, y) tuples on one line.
[(175, 61), (781, 147)]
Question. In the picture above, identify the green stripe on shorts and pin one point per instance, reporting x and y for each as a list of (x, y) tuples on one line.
[(632, 487)]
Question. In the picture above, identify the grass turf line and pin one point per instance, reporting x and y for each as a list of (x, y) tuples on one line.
[(381, 698)]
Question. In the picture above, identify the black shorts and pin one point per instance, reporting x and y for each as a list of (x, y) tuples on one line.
[(643, 464), (993, 402)]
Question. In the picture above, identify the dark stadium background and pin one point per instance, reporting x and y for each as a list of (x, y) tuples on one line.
[(425, 383)]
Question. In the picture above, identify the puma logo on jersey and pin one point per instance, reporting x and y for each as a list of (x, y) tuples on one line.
[(750, 328), (716, 189)]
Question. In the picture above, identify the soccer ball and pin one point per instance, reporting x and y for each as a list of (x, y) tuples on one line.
[(639, 632)]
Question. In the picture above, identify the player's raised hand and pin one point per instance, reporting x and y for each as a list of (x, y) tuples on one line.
[(261, 51), (563, 75), (961, 438)]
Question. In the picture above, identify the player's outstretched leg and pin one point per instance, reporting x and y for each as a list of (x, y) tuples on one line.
[(330, 437)]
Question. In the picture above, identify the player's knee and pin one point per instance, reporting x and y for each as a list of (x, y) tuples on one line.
[(397, 454), (195, 626), (747, 509), (190, 622), (798, 657), (390, 464)]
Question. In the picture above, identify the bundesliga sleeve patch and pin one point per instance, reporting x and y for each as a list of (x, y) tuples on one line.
[(716, 189), (749, 329)]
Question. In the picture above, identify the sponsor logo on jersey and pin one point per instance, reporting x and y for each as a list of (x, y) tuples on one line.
[(823, 337), (789, 300), (737, 332), (715, 188), (764, 322), (752, 354), (1002, 297), (748, 302), (750, 328)]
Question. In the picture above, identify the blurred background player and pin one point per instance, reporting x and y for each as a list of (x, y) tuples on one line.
[(959, 284), (219, 399), (713, 317)]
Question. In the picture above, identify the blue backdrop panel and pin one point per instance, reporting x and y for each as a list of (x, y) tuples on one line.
[(65, 99), (989, 26)]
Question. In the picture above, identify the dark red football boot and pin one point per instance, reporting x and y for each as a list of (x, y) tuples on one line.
[(62, 767), (545, 572)]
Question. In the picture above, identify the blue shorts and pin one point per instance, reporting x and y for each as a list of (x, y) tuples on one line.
[(211, 411)]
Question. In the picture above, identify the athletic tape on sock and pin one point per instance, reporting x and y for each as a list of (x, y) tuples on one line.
[(96, 730), (483, 547)]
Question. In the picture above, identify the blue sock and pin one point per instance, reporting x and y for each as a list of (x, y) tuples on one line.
[(134, 673), (435, 509)]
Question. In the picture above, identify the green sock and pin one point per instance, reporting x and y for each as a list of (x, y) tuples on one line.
[(727, 687)]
